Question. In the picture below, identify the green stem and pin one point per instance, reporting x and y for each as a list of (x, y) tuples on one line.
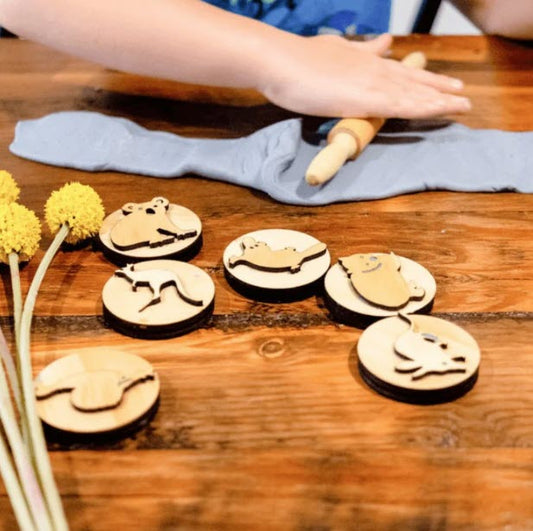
[(13, 489), (38, 443), (13, 372)]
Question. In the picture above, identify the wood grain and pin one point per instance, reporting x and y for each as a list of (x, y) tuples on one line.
[(264, 421)]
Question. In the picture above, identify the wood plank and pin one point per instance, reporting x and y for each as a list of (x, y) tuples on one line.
[(240, 385), (311, 488)]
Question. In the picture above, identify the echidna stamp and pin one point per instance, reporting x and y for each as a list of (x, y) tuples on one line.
[(150, 230), (96, 392), (158, 299), (418, 359), (276, 265), (364, 287)]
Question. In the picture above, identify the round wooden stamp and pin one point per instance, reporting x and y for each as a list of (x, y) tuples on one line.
[(158, 299), (418, 359), (276, 265), (361, 288), (146, 231), (96, 392)]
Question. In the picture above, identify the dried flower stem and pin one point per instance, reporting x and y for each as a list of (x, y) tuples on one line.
[(12, 371), (37, 440), (14, 491), (21, 457)]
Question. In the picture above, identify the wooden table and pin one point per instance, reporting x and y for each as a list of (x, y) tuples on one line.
[(264, 421)]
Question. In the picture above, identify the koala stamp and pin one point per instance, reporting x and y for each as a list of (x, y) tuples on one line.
[(147, 225)]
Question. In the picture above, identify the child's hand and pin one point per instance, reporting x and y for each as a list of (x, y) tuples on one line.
[(331, 76)]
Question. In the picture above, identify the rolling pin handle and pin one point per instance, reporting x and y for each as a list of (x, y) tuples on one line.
[(342, 147)]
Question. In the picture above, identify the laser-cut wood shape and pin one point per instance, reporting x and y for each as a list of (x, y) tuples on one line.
[(158, 298), (348, 306), (156, 280), (147, 225), (94, 392), (418, 358), (425, 353), (377, 278), (154, 229), (275, 265), (259, 255)]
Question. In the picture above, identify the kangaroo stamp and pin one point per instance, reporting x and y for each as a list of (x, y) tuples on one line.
[(94, 392), (276, 265), (363, 287), (418, 359), (150, 230), (158, 299)]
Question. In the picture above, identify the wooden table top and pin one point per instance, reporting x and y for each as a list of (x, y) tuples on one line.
[(264, 421)]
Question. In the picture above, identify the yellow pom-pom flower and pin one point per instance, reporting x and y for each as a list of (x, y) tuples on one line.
[(9, 190), (20, 232), (79, 207)]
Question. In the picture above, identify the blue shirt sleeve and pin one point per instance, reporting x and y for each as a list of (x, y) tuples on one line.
[(314, 17)]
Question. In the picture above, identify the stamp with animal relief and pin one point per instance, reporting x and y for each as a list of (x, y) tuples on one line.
[(276, 265), (158, 299), (418, 359), (96, 392), (150, 230), (363, 287)]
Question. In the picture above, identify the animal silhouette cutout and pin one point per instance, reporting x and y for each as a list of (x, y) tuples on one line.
[(259, 255), (147, 225), (93, 390), (425, 353), (377, 278), (156, 280)]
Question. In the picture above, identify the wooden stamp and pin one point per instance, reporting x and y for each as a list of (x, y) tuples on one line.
[(364, 287), (418, 359), (276, 264), (154, 229), (95, 392), (158, 299)]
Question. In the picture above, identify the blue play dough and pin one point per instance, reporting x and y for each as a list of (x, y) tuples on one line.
[(275, 158)]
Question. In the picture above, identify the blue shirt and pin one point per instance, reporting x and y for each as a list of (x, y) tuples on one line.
[(314, 17)]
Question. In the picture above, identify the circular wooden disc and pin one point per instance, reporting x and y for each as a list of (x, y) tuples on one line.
[(129, 311), (281, 284), (417, 378), (347, 306), (58, 411), (178, 249)]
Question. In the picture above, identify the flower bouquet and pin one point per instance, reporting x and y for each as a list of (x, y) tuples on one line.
[(73, 213)]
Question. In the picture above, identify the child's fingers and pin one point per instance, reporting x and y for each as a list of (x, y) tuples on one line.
[(437, 81)]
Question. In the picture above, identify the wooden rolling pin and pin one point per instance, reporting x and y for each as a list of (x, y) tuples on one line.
[(349, 137)]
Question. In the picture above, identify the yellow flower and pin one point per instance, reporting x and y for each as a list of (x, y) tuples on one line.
[(20, 232), (78, 206), (9, 190)]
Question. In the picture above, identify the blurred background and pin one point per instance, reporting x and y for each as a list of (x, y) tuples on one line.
[(448, 21)]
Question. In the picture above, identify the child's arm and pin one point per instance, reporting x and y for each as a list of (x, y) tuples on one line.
[(191, 41), (503, 17)]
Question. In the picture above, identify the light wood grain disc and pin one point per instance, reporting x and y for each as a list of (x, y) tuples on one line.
[(346, 304), (178, 249), (380, 363), (311, 270), (126, 310), (58, 412)]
